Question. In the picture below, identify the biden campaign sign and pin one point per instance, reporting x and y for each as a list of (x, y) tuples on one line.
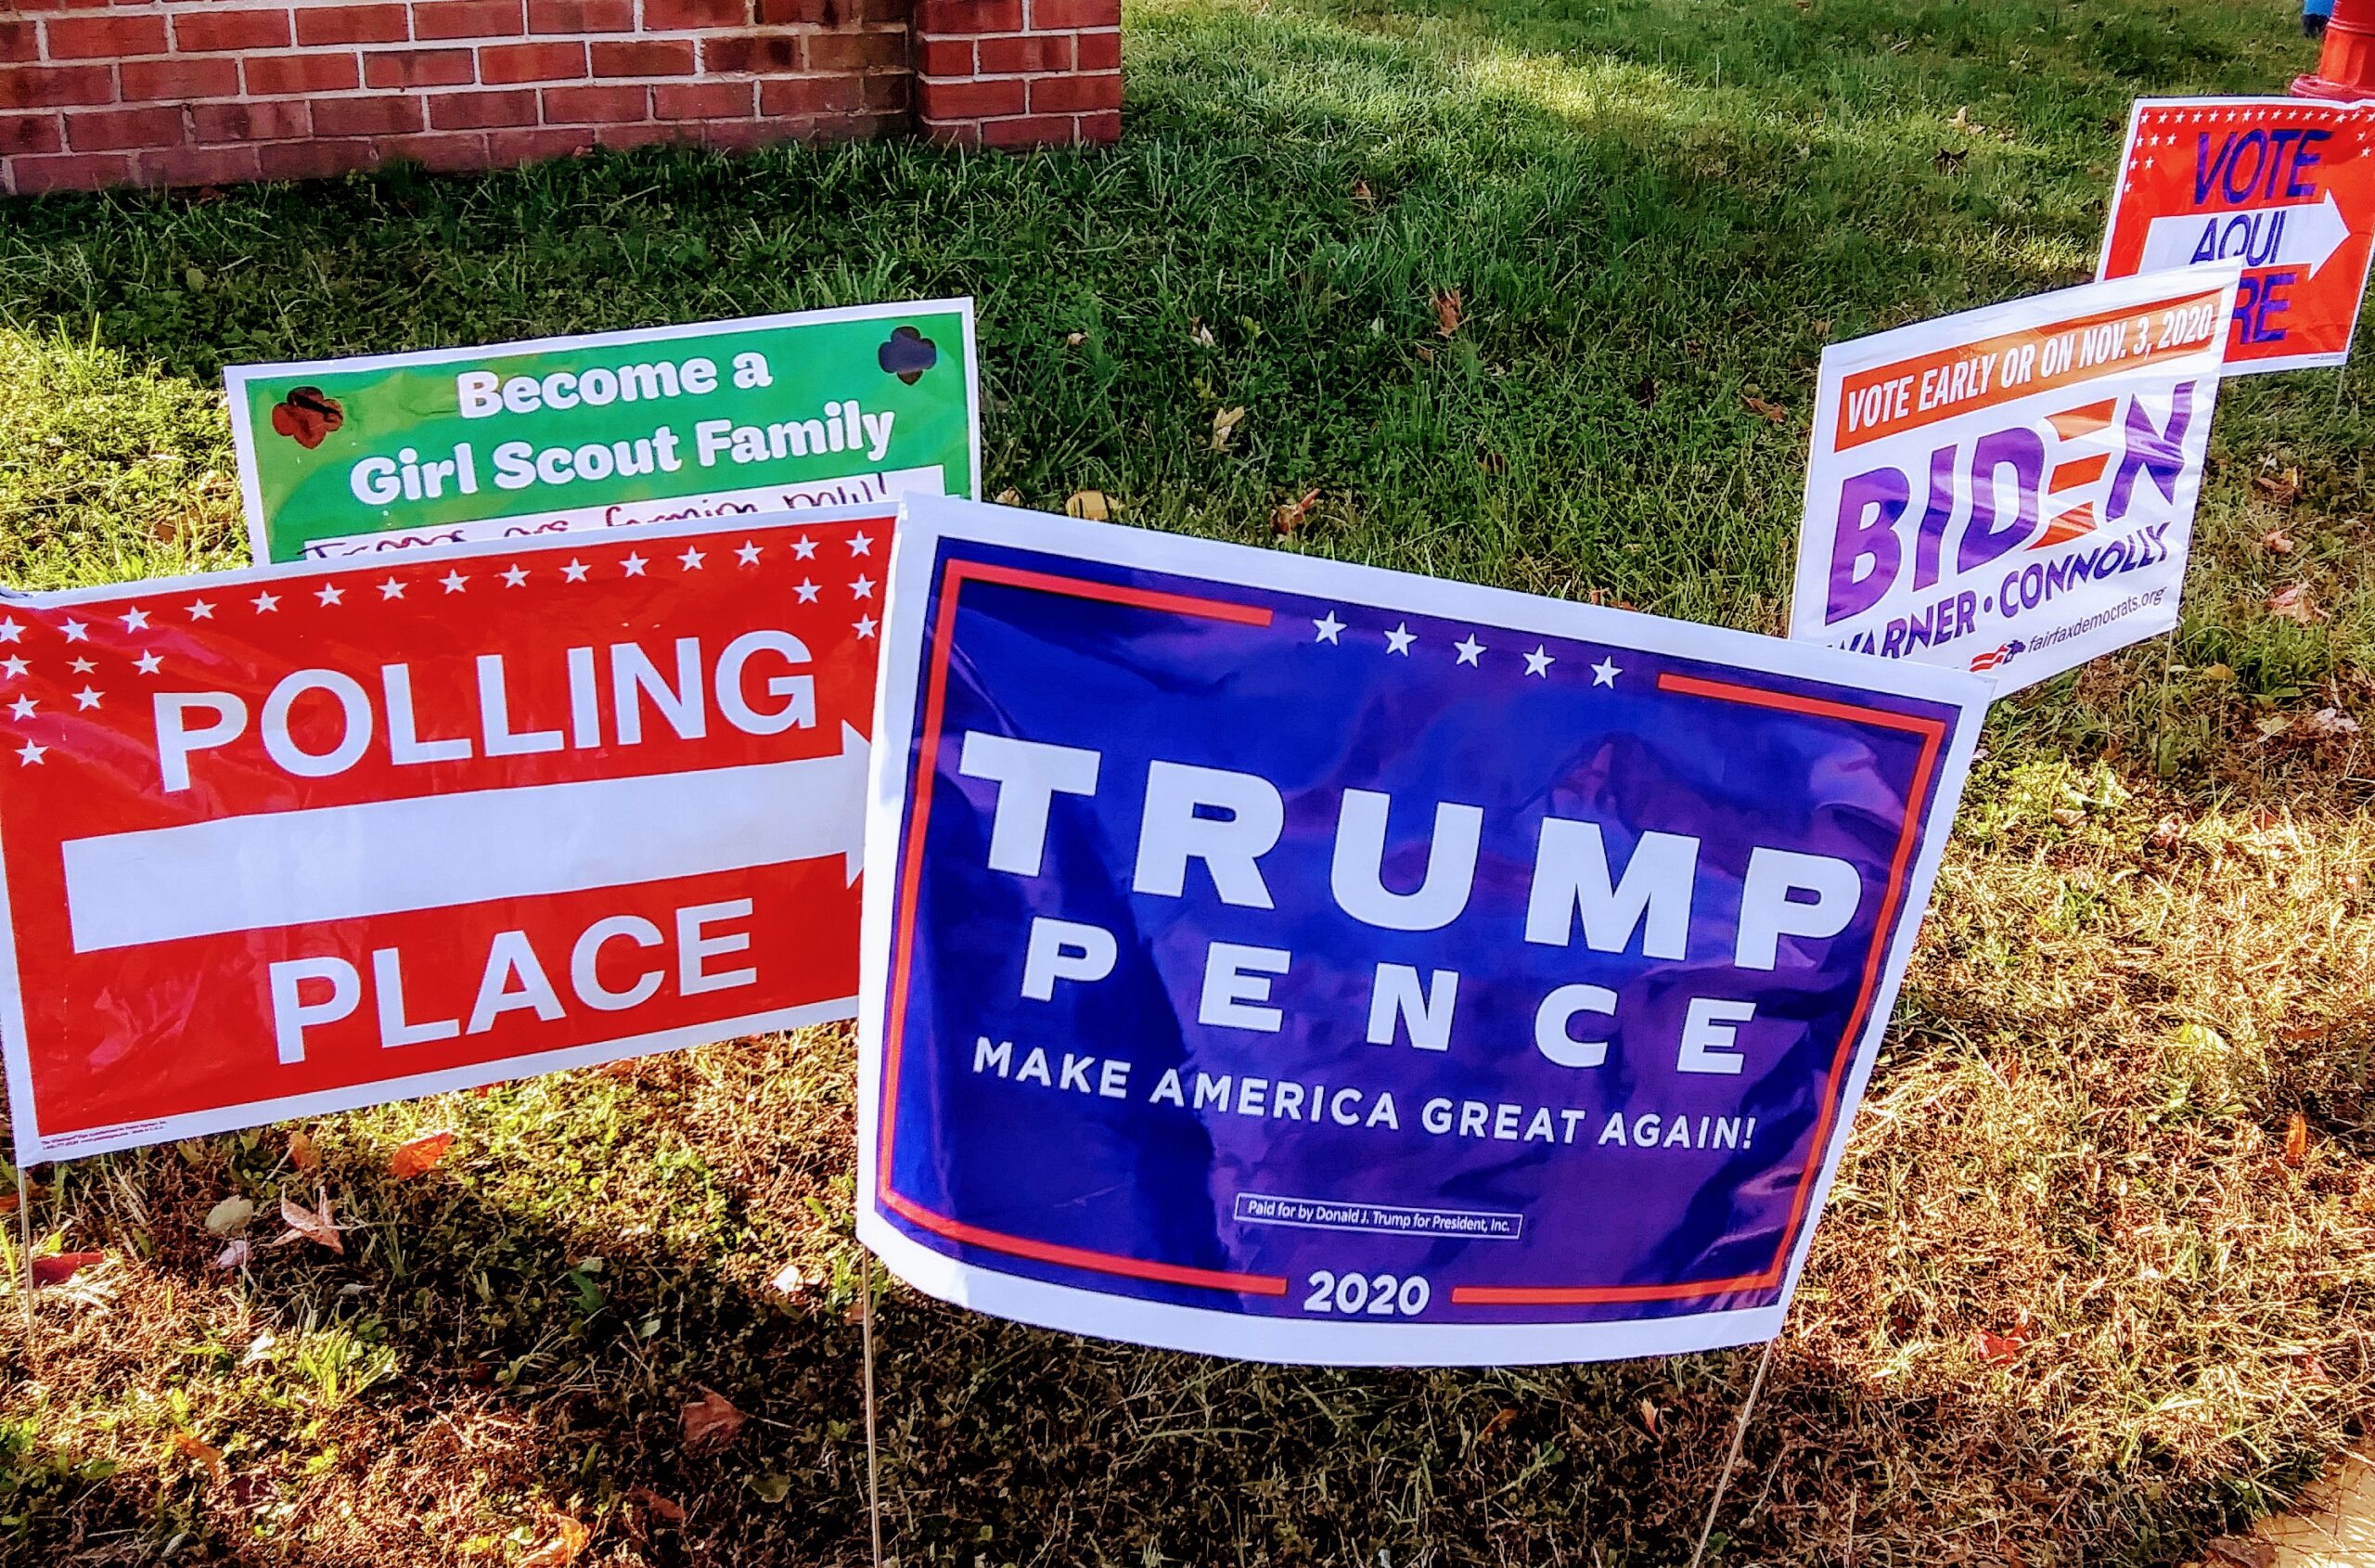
[(2011, 490), (1282, 959)]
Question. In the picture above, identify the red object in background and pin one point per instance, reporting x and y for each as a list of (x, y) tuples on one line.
[(2287, 185), (2347, 65), (304, 839)]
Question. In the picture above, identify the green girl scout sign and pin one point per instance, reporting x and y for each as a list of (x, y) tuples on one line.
[(824, 408)]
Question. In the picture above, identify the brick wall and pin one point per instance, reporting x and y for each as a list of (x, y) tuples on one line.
[(205, 92)]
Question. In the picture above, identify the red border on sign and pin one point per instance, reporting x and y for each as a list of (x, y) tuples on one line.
[(956, 573)]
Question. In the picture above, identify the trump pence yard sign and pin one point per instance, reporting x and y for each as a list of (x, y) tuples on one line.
[(1283, 958), (293, 841)]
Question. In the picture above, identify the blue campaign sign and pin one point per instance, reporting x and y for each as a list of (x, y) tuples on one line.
[(1282, 958)]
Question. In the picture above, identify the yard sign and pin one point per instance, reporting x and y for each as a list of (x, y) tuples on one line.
[(2285, 186), (835, 407), (2011, 490), (1282, 959), (297, 839)]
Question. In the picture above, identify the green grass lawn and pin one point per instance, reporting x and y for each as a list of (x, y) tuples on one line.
[(2151, 946)]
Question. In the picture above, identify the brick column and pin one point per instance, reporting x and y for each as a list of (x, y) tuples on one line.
[(1019, 72)]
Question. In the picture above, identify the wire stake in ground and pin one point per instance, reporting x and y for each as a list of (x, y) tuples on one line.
[(1732, 1459), (873, 1467), (25, 1231)]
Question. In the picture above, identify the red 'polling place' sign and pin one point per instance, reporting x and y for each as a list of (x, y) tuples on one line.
[(300, 840), (2285, 185)]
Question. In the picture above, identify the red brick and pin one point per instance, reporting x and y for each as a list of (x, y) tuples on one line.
[(703, 100), (1034, 129), (643, 133), (179, 80), (808, 94), (419, 68), (1057, 16), (274, 75), (18, 40), (314, 159), (645, 57), (532, 62), (85, 38), (199, 165), (888, 91), (855, 51), (675, 16), (581, 15), (54, 86), (519, 147), (71, 172), (1102, 127), (206, 32), (451, 153), (743, 134), (469, 18), (1098, 51), (21, 133), (112, 130), (1075, 95), (945, 56), (967, 100), (384, 115), (280, 121), (768, 54), (953, 132), (1026, 53), (802, 13), (960, 18), (579, 106), (475, 111), (352, 24)]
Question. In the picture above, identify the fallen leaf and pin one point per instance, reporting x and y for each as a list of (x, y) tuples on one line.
[(1008, 497), (1426, 353), (2168, 832), (1361, 192), (1447, 316), (1772, 411), (2068, 816), (1644, 392), (672, 1512), (1074, 340), (204, 1453), (1224, 424), (230, 1216), (59, 1267), (1949, 161), (2283, 489), (1202, 335), (421, 1155), (1650, 1416), (1999, 1350), (2332, 721), (2271, 726), (236, 1256), (2243, 1552), (1290, 515), (301, 1151), (2217, 671), (793, 1281), (623, 1068), (2277, 542), (569, 1539), (2291, 603), (1961, 121), (2296, 1140), (1501, 1418), (1089, 504), (711, 1422), (771, 1488), (311, 1225)]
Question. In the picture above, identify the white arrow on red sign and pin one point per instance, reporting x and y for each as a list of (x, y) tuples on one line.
[(2305, 234)]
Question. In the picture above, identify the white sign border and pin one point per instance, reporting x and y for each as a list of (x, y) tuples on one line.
[(924, 521)]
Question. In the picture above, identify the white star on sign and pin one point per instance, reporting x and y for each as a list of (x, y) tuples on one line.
[(147, 663), (1605, 672), (1538, 662), (860, 544), (1470, 651), (76, 632), (29, 753), (803, 548), (10, 631), (16, 667), (807, 592), (748, 554), (391, 589), (692, 560), (86, 697), (331, 593), (199, 610), (574, 572), (633, 564), (863, 587), (454, 582), (1399, 639), (80, 666), (515, 575), (135, 619), (23, 707), (1329, 629), (864, 626), (265, 603)]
